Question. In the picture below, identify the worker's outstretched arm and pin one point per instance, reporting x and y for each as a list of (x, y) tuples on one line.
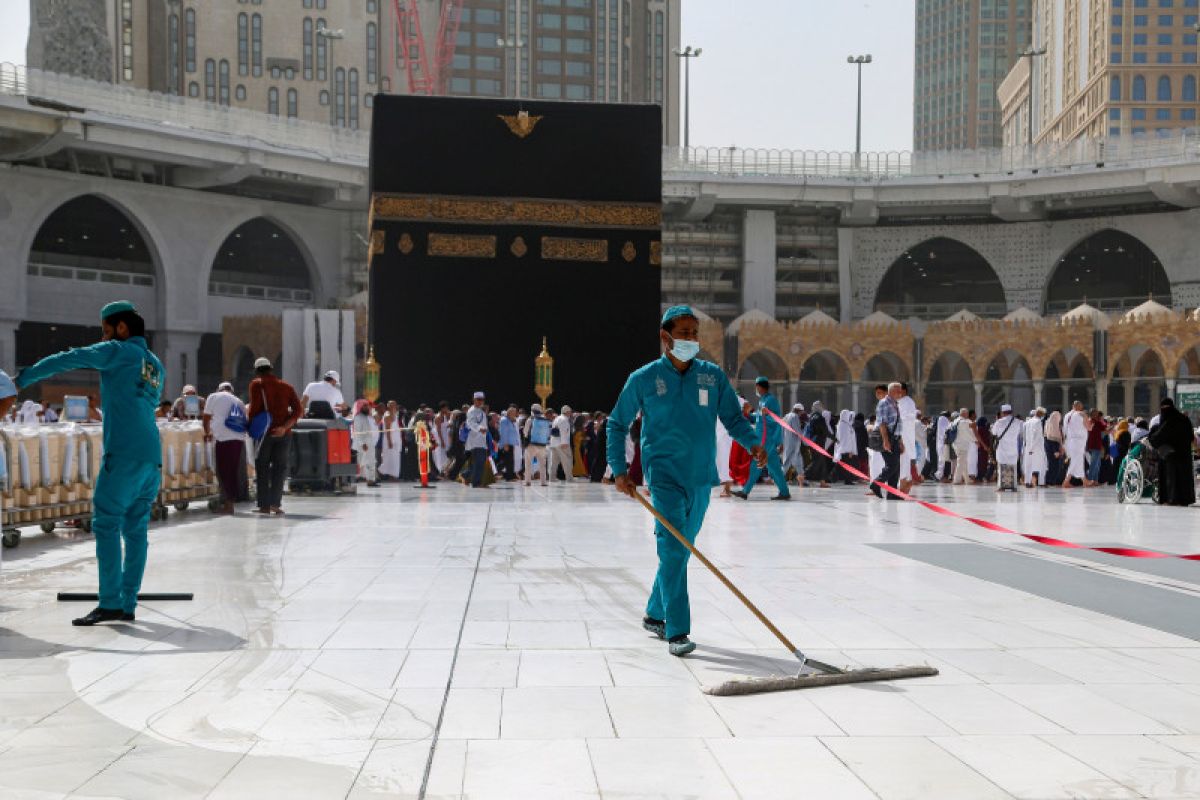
[(96, 356)]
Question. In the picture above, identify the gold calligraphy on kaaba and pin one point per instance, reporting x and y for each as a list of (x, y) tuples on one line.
[(460, 245), (519, 248), (511, 211), (405, 244), (377, 243), (656, 253), (628, 252), (555, 248)]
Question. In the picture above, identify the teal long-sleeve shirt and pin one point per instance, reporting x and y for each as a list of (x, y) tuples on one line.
[(131, 380), (679, 422), (774, 434)]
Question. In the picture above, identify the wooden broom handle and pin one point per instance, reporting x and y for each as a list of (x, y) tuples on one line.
[(713, 568)]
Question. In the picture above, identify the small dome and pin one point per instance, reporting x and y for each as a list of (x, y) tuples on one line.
[(1022, 314), (1087, 313), (751, 317), (700, 315), (1150, 309), (817, 317), (962, 315), (877, 318)]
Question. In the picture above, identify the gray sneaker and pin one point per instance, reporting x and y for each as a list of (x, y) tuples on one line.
[(655, 626), (681, 645)]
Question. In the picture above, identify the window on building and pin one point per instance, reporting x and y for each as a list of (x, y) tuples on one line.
[(339, 97), (659, 55), (460, 85), (1188, 58), (1164, 89), (1166, 39), (1138, 113), (1117, 20), (461, 61), (1114, 58), (321, 4), (224, 79), (1187, 114), (1139, 88), (579, 45), (487, 63), (127, 39), (553, 90), (240, 93), (308, 3), (323, 97), (293, 104), (579, 91), (1140, 20), (1166, 21), (372, 52), (308, 48), (193, 89), (243, 33), (1141, 39), (210, 80), (488, 86), (1188, 93), (1114, 88), (1139, 58), (173, 54), (273, 101), (579, 69), (189, 40), (1114, 113), (322, 51), (578, 22), (352, 97), (549, 44), (1165, 58), (1162, 114), (548, 66), (579, 3), (369, 100), (256, 41), (487, 16), (1116, 38), (549, 20)]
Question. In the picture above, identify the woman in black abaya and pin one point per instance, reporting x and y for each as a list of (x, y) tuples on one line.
[(1172, 440)]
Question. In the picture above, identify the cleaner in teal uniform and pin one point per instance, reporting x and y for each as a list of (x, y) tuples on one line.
[(131, 381), (770, 436), (679, 397)]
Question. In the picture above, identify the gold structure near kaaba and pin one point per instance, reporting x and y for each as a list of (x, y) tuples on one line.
[(543, 374)]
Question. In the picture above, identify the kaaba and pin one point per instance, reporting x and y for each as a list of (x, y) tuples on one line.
[(497, 223)]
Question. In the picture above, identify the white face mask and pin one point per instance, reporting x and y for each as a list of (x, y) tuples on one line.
[(685, 350)]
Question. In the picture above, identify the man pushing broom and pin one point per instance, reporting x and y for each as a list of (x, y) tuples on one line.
[(680, 398)]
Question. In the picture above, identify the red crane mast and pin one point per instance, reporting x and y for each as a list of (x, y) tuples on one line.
[(426, 75)]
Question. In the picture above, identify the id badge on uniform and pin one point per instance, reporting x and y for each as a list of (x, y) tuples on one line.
[(704, 397)]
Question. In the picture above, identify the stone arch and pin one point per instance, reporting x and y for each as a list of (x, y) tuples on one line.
[(140, 221), (1008, 378), (824, 375), (885, 367), (1109, 268), (1068, 377), (267, 222), (929, 280), (950, 384), (769, 364)]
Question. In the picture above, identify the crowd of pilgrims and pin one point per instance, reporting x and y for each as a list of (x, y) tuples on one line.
[(1071, 448)]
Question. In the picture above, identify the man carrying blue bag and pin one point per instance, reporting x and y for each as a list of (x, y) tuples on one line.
[(131, 381)]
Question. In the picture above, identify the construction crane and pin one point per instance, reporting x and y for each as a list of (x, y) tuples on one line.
[(426, 75)]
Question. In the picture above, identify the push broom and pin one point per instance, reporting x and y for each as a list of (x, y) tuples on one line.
[(822, 675)]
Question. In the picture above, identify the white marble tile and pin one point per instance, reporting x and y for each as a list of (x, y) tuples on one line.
[(768, 769), (486, 669), (974, 710), (145, 772), (549, 769), (425, 669), (343, 713), (1078, 709), (555, 713), (294, 769), (472, 714), (1149, 768), (646, 768), (871, 710), (911, 768), (1028, 767), (632, 667), (663, 712), (52, 770), (1161, 702), (547, 635), (563, 668), (371, 635)]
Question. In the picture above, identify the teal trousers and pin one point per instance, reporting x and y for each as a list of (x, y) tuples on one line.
[(774, 469), (685, 509), (125, 491)]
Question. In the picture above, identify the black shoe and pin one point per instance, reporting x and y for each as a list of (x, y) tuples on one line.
[(782, 497), (102, 615), (655, 626), (681, 645), (739, 494)]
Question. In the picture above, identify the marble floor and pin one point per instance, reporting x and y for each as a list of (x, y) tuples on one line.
[(486, 644)]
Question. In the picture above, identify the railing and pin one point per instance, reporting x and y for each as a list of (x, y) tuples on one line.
[(182, 114), (65, 272), (940, 311), (1109, 305), (253, 292)]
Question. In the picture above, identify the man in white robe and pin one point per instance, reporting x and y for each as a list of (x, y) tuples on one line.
[(1034, 449), (1075, 443), (941, 452), (792, 455), (908, 434), (1007, 433)]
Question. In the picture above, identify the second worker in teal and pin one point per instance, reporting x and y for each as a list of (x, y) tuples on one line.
[(679, 398), (770, 436), (131, 380)]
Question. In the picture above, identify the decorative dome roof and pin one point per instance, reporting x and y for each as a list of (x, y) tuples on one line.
[(700, 315), (1088, 313), (877, 318), (1022, 314), (752, 317), (962, 315), (1150, 309), (817, 317)]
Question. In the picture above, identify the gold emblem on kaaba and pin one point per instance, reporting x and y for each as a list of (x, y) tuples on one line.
[(406, 244), (519, 248), (521, 124), (376, 246), (629, 252), (656, 253)]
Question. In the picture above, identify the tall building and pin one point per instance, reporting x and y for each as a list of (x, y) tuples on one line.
[(272, 55), (964, 48), (1111, 68)]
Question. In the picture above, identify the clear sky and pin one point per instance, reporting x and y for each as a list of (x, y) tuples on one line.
[(773, 72)]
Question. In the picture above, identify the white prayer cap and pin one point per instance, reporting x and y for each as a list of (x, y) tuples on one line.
[(333, 374), (479, 396), (225, 386), (189, 389), (1005, 407), (262, 362), (798, 407), (535, 408), (565, 410)]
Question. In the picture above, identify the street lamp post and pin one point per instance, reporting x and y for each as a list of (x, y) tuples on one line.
[(687, 54), (329, 36), (859, 61), (1031, 53)]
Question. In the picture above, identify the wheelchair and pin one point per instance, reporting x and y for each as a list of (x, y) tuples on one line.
[(1137, 477)]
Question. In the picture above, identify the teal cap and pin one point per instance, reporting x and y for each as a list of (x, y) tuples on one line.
[(761, 380), (116, 307), (674, 312)]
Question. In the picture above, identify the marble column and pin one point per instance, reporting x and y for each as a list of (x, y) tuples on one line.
[(1171, 384), (8, 345), (179, 352), (1038, 388), (1129, 386), (1101, 394), (978, 399)]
